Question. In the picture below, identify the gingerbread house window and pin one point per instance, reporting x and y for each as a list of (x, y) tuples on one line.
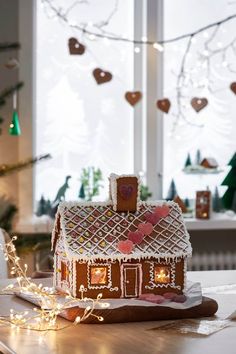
[(64, 272), (99, 275), (162, 274)]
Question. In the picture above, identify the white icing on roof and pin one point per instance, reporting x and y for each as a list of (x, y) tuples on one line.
[(91, 231)]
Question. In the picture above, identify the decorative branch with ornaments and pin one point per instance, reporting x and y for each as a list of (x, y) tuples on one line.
[(196, 75)]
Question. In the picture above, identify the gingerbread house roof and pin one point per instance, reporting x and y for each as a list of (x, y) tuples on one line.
[(91, 231)]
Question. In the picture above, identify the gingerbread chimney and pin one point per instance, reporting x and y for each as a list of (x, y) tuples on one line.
[(124, 191)]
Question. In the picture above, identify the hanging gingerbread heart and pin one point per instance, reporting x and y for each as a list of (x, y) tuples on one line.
[(164, 105), (133, 97), (75, 47), (233, 87), (101, 76), (198, 103)]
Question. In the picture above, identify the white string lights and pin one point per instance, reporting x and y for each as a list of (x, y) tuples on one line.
[(44, 317)]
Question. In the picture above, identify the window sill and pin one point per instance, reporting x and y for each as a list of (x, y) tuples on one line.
[(218, 221)]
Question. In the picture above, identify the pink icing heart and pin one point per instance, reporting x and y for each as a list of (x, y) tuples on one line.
[(145, 228), (162, 211), (152, 218), (125, 247), (126, 191), (136, 237)]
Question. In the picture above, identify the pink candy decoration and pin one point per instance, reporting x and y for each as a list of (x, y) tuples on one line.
[(169, 296), (179, 298), (162, 211), (157, 299), (136, 237), (145, 296), (145, 228), (152, 218), (125, 247)]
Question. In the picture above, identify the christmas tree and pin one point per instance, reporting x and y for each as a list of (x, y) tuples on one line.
[(216, 201), (229, 198), (172, 191), (188, 161)]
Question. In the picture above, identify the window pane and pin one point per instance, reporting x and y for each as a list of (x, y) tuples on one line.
[(79, 122), (98, 275), (212, 130), (162, 274)]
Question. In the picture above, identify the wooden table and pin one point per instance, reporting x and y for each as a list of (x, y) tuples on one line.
[(128, 338)]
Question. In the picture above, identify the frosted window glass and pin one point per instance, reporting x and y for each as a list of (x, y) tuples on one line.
[(78, 122), (217, 136)]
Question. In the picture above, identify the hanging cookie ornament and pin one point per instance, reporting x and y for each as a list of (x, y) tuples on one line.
[(233, 87), (164, 105), (75, 47), (14, 128), (101, 76), (133, 97), (198, 103)]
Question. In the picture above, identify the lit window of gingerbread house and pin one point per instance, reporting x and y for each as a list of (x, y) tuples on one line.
[(162, 274), (123, 247)]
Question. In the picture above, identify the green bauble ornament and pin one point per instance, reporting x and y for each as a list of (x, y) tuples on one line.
[(14, 128)]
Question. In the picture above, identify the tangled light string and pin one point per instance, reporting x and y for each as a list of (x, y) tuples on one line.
[(44, 317)]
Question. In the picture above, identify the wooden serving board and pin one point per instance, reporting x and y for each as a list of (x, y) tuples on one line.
[(207, 308)]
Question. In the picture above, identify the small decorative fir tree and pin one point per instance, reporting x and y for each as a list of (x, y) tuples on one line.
[(216, 201), (172, 191), (188, 161), (229, 198), (144, 193), (91, 181)]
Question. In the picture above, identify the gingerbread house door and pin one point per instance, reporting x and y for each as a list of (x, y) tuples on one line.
[(131, 280)]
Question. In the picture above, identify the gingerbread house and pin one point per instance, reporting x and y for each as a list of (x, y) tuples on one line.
[(122, 248)]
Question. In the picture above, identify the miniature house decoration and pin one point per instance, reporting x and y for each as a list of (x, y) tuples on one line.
[(123, 248), (203, 204), (209, 162)]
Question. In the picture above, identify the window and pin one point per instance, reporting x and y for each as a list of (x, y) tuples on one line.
[(64, 272), (98, 275), (212, 130), (162, 274), (79, 122), (84, 124)]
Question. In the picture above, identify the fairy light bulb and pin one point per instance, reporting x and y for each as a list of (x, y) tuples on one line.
[(144, 39), (92, 37), (158, 46), (43, 318), (136, 50)]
